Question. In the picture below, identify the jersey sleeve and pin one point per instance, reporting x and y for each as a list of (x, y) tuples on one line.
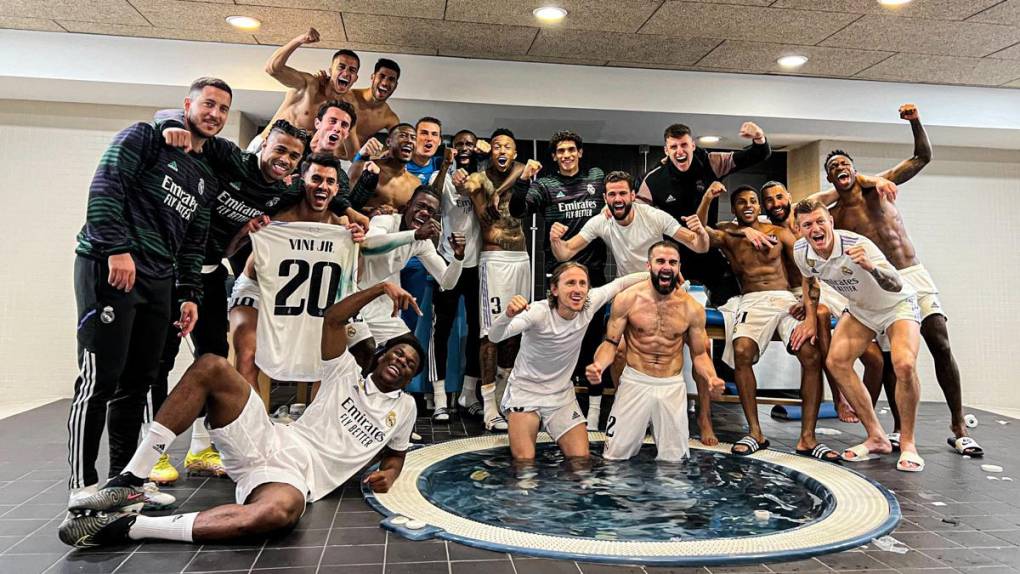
[(800, 257), (504, 327), (190, 255), (116, 176), (445, 275), (601, 295), (666, 222), (400, 441), (338, 369)]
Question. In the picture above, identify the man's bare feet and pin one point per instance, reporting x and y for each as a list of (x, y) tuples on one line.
[(846, 412), (708, 437)]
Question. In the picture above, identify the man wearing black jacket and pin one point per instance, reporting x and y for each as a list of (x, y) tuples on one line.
[(678, 185)]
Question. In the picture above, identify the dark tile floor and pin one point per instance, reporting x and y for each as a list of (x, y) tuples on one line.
[(955, 518)]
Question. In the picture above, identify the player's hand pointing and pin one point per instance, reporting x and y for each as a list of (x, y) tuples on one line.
[(759, 239), (402, 300), (517, 304)]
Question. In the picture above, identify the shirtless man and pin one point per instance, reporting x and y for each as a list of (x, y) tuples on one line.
[(656, 318), (371, 103), (880, 300), (764, 308), (776, 204), (875, 216), (386, 182), (504, 269), (309, 91)]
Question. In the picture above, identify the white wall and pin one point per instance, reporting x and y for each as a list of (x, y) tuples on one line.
[(961, 214), (49, 153)]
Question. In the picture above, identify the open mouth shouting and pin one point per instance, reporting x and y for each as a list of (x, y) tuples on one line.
[(502, 161), (382, 92), (844, 178), (343, 84), (817, 239), (428, 147), (280, 169), (682, 160), (406, 150), (620, 209), (321, 199), (664, 282)]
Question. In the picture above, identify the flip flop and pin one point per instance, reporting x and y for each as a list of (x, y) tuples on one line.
[(752, 445), (910, 457), (822, 453), (860, 452), (894, 438), (966, 445)]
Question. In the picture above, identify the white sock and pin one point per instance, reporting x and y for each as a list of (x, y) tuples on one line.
[(594, 410), (502, 377), (439, 393), (489, 401), (156, 441), (467, 392), (199, 436), (176, 527)]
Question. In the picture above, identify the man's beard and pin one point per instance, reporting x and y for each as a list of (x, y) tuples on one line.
[(671, 286), (779, 220), (626, 212)]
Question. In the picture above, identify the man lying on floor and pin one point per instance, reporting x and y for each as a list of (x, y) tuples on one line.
[(278, 468)]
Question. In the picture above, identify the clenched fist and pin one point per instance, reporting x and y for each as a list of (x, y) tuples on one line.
[(693, 223), (530, 169), (909, 112), (716, 189), (557, 231), (751, 131), (859, 256), (517, 304)]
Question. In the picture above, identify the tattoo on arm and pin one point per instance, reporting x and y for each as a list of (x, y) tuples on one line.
[(887, 280)]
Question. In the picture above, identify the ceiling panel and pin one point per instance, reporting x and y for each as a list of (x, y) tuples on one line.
[(925, 36), (275, 21), (419, 8), (1006, 13), (112, 11), (606, 15), (944, 70), (485, 40), (1011, 53), (366, 64), (934, 9), (29, 24), (228, 36), (618, 46), (727, 21), (735, 55), (980, 39)]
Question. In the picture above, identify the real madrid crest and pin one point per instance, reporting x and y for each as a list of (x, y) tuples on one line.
[(391, 419), (351, 331), (846, 271)]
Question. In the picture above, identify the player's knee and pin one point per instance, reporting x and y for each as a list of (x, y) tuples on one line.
[(835, 362), (745, 352), (208, 368), (905, 367), (936, 336), (278, 516), (810, 357)]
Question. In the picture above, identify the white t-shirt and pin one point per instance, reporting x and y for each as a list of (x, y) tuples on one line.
[(848, 278), (387, 250), (629, 244), (302, 269), (348, 423), (459, 216), (551, 344)]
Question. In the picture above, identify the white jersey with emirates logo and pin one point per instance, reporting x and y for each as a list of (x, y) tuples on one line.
[(848, 278), (302, 268), (348, 423)]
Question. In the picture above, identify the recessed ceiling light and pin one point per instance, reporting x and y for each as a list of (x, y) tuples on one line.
[(708, 139), (893, 2), (244, 22), (794, 61), (549, 13)]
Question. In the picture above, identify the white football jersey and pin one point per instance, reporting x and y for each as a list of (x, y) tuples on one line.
[(302, 268), (848, 278), (348, 423), (629, 244)]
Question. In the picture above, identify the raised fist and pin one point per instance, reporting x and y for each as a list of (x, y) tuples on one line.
[(751, 131), (311, 37), (460, 177), (457, 242), (482, 147), (517, 304), (859, 256), (530, 169), (371, 148), (428, 230), (909, 112), (716, 189), (557, 231)]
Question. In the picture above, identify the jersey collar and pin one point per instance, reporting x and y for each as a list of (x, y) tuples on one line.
[(371, 389)]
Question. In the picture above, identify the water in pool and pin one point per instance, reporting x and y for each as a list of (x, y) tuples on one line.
[(709, 496)]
